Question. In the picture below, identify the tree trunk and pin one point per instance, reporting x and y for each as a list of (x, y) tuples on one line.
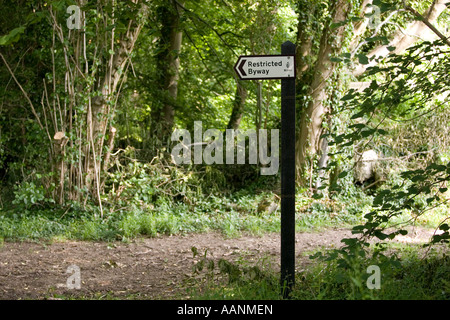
[(60, 140), (99, 110), (168, 66), (238, 106), (308, 138)]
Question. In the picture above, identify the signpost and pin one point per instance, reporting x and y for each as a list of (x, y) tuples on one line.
[(265, 67), (281, 67)]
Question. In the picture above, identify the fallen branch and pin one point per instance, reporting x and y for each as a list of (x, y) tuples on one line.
[(372, 184)]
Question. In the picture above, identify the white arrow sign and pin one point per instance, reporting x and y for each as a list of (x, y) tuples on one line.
[(265, 67)]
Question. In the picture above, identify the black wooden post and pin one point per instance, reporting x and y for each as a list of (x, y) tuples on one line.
[(281, 67), (287, 177)]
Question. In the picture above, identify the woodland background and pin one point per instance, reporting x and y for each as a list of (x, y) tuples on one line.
[(86, 117)]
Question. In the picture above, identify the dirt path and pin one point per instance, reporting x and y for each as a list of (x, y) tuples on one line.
[(149, 268)]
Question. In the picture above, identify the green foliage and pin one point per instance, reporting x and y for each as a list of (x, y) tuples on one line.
[(227, 280), (28, 194), (143, 199), (50, 224), (12, 37), (405, 275), (402, 114), (419, 186)]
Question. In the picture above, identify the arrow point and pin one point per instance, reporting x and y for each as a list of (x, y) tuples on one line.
[(241, 67)]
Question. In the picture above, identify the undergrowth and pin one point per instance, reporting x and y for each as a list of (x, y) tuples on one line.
[(412, 277), (151, 198), (154, 197)]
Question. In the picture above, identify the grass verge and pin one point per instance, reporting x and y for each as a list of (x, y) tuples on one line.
[(414, 278)]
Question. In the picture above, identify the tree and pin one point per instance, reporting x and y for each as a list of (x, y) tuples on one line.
[(80, 89), (314, 73), (415, 122), (168, 65), (311, 117), (403, 39), (421, 75)]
